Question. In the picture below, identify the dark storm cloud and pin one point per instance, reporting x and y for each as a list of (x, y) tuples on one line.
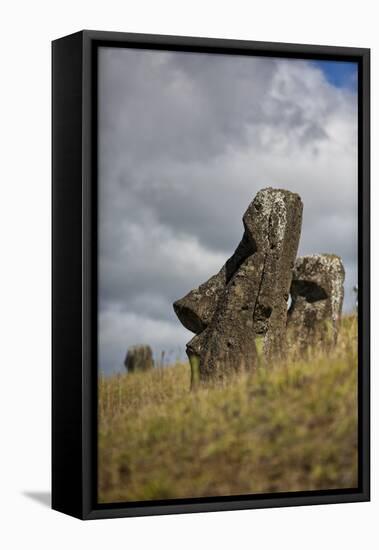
[(185, 142)]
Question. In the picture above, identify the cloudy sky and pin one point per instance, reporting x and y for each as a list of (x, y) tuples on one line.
[(185, 142)]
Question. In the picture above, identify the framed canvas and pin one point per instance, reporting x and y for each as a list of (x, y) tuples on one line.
[(210, 274)]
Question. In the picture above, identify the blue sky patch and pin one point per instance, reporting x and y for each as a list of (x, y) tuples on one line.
[(341, 74)]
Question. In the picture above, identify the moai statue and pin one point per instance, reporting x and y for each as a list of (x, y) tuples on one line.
[(283, 211), (248, 297), (139, 358), (316, 300)]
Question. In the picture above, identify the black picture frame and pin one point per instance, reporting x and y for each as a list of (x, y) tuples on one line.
[(74, 294)]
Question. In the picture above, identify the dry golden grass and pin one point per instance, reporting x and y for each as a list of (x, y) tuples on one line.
[(290, 427)]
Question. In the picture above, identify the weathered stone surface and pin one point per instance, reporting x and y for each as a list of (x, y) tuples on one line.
[(317, 297), (228, 344), (270, 315), (196, 309), (197, 344), (265, 222), (248, 297), (139, 358)]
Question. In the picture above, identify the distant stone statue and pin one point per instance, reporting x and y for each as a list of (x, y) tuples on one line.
[(248, 297), (139, 358), (317, 296)]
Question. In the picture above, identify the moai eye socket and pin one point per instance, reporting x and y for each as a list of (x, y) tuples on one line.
[(312, 292)]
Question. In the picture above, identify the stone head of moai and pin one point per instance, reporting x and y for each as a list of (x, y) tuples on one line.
[(248, 298), (139, 358), (316, 300)]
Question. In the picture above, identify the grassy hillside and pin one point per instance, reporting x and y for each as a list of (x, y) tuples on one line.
[(289, 427)]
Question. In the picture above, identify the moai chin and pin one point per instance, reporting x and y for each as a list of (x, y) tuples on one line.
[(317, 296)]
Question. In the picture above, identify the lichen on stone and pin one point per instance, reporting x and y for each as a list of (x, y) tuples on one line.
[(248, 296)]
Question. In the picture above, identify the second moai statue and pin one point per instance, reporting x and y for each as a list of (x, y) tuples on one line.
[(139, 358), (317, 296)]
